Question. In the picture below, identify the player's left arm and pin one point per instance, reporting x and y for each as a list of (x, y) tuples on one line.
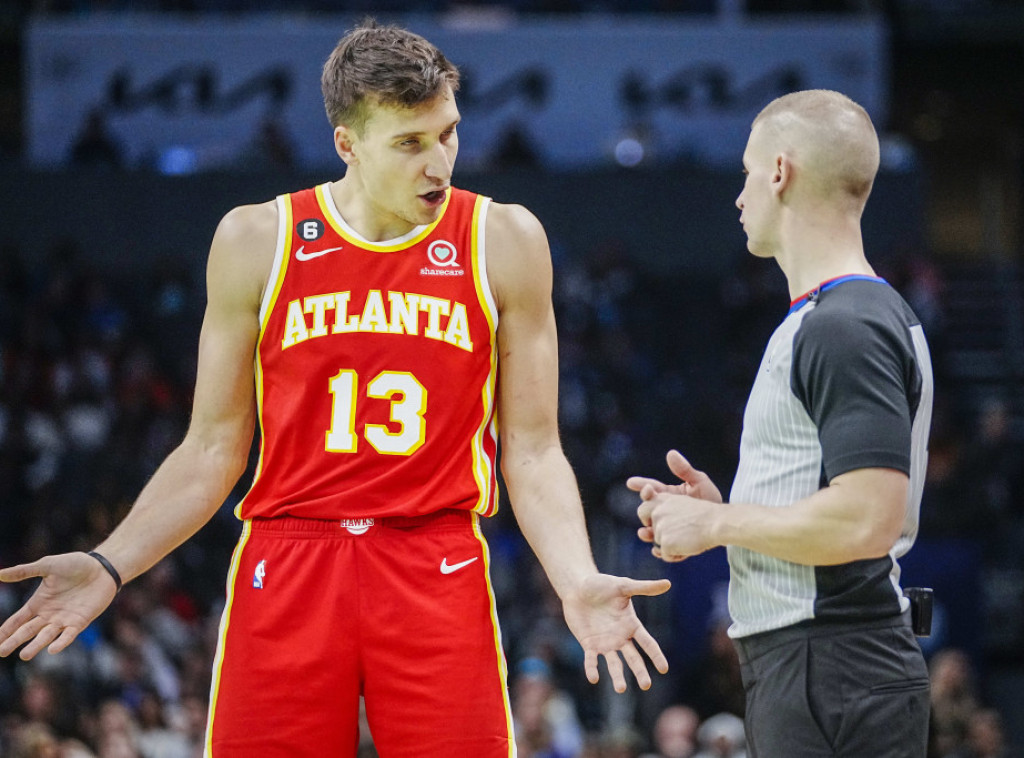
[(541, 484)]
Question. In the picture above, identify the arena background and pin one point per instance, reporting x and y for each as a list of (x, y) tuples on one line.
[(126, 135)]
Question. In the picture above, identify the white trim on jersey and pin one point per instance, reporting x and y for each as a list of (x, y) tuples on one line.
[(340, 221), (283, 223), (481, 255)]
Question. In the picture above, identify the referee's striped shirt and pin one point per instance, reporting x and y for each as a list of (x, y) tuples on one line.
[(845, 383)]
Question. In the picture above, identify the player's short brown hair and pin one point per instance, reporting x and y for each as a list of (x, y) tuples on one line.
[(382, 65)]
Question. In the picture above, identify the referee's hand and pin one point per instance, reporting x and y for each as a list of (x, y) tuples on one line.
[(692, 483), (673, 516)]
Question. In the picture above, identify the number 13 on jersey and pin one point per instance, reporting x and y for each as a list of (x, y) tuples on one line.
[(408, 400)]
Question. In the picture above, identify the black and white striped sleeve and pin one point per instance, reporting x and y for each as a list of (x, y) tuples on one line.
[(855, 376)]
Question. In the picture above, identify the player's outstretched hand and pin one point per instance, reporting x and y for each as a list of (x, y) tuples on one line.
[(74, 591), (602, 618)]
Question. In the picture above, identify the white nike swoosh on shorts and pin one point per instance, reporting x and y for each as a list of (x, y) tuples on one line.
[(446, 569)]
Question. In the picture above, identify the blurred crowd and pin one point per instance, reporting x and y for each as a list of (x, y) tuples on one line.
[(440, 6), (95, 383)]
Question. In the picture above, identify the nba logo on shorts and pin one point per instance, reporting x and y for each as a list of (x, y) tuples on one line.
[(257, 577)]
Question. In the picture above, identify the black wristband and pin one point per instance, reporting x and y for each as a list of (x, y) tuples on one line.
[(109, 567)]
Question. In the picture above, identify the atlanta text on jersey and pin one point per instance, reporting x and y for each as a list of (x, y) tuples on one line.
[(399, 314)]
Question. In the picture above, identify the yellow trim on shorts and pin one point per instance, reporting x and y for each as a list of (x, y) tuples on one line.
[(222, 634), (499, 652)]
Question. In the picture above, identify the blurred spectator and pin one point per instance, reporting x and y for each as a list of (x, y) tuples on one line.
[(271, 148), (675, 733), (947, 487), (985, 737), (35, 740), (545, 717), (156, 738), (994, 461), (39, 698), (192, 721), (117, 733), (515, 150), (715, 685), (45, 700), (95, 146), (954, 701), (75, 749), (722, 736), (621, 742), (924, 290)]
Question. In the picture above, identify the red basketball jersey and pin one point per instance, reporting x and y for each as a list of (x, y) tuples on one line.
[(376, 367)]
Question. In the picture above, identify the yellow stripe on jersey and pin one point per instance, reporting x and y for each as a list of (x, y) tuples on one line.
[(282, 255), (483, 465), (336, 224), (222, 634), (499, 652)]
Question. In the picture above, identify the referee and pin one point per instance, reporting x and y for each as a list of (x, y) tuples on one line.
[(832, 460)]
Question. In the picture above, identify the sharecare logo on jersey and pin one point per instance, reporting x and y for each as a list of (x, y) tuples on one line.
[(259, 574), (442, 253), (357, 525)]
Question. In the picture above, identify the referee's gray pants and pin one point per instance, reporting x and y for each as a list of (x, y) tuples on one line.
[(844, 690)]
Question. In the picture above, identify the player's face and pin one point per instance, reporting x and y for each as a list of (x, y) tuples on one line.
[(757, 201), (405, 160)]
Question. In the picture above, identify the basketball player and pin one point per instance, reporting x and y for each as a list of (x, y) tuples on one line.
[(385, 331), (832, 460)]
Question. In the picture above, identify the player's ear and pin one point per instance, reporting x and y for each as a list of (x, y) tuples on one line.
[(344, 144)]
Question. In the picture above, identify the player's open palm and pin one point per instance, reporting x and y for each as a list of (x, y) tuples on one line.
[(74, 591), (603, 619)]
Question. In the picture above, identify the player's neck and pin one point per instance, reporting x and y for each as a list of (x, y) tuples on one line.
[(362, 215)]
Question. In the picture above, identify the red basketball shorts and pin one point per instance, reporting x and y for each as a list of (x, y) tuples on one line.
[(399, 611)]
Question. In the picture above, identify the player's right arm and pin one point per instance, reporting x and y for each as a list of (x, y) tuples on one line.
[(194, 480)]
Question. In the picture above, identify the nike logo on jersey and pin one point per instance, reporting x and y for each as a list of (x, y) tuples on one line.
[(303, 256), (446, 569)]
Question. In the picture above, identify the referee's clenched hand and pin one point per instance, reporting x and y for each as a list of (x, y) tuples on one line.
[(677, 518)]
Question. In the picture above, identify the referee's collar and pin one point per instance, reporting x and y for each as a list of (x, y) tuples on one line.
[(828, 284)]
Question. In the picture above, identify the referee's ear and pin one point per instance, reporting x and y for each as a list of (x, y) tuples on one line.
[(782, 175)]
